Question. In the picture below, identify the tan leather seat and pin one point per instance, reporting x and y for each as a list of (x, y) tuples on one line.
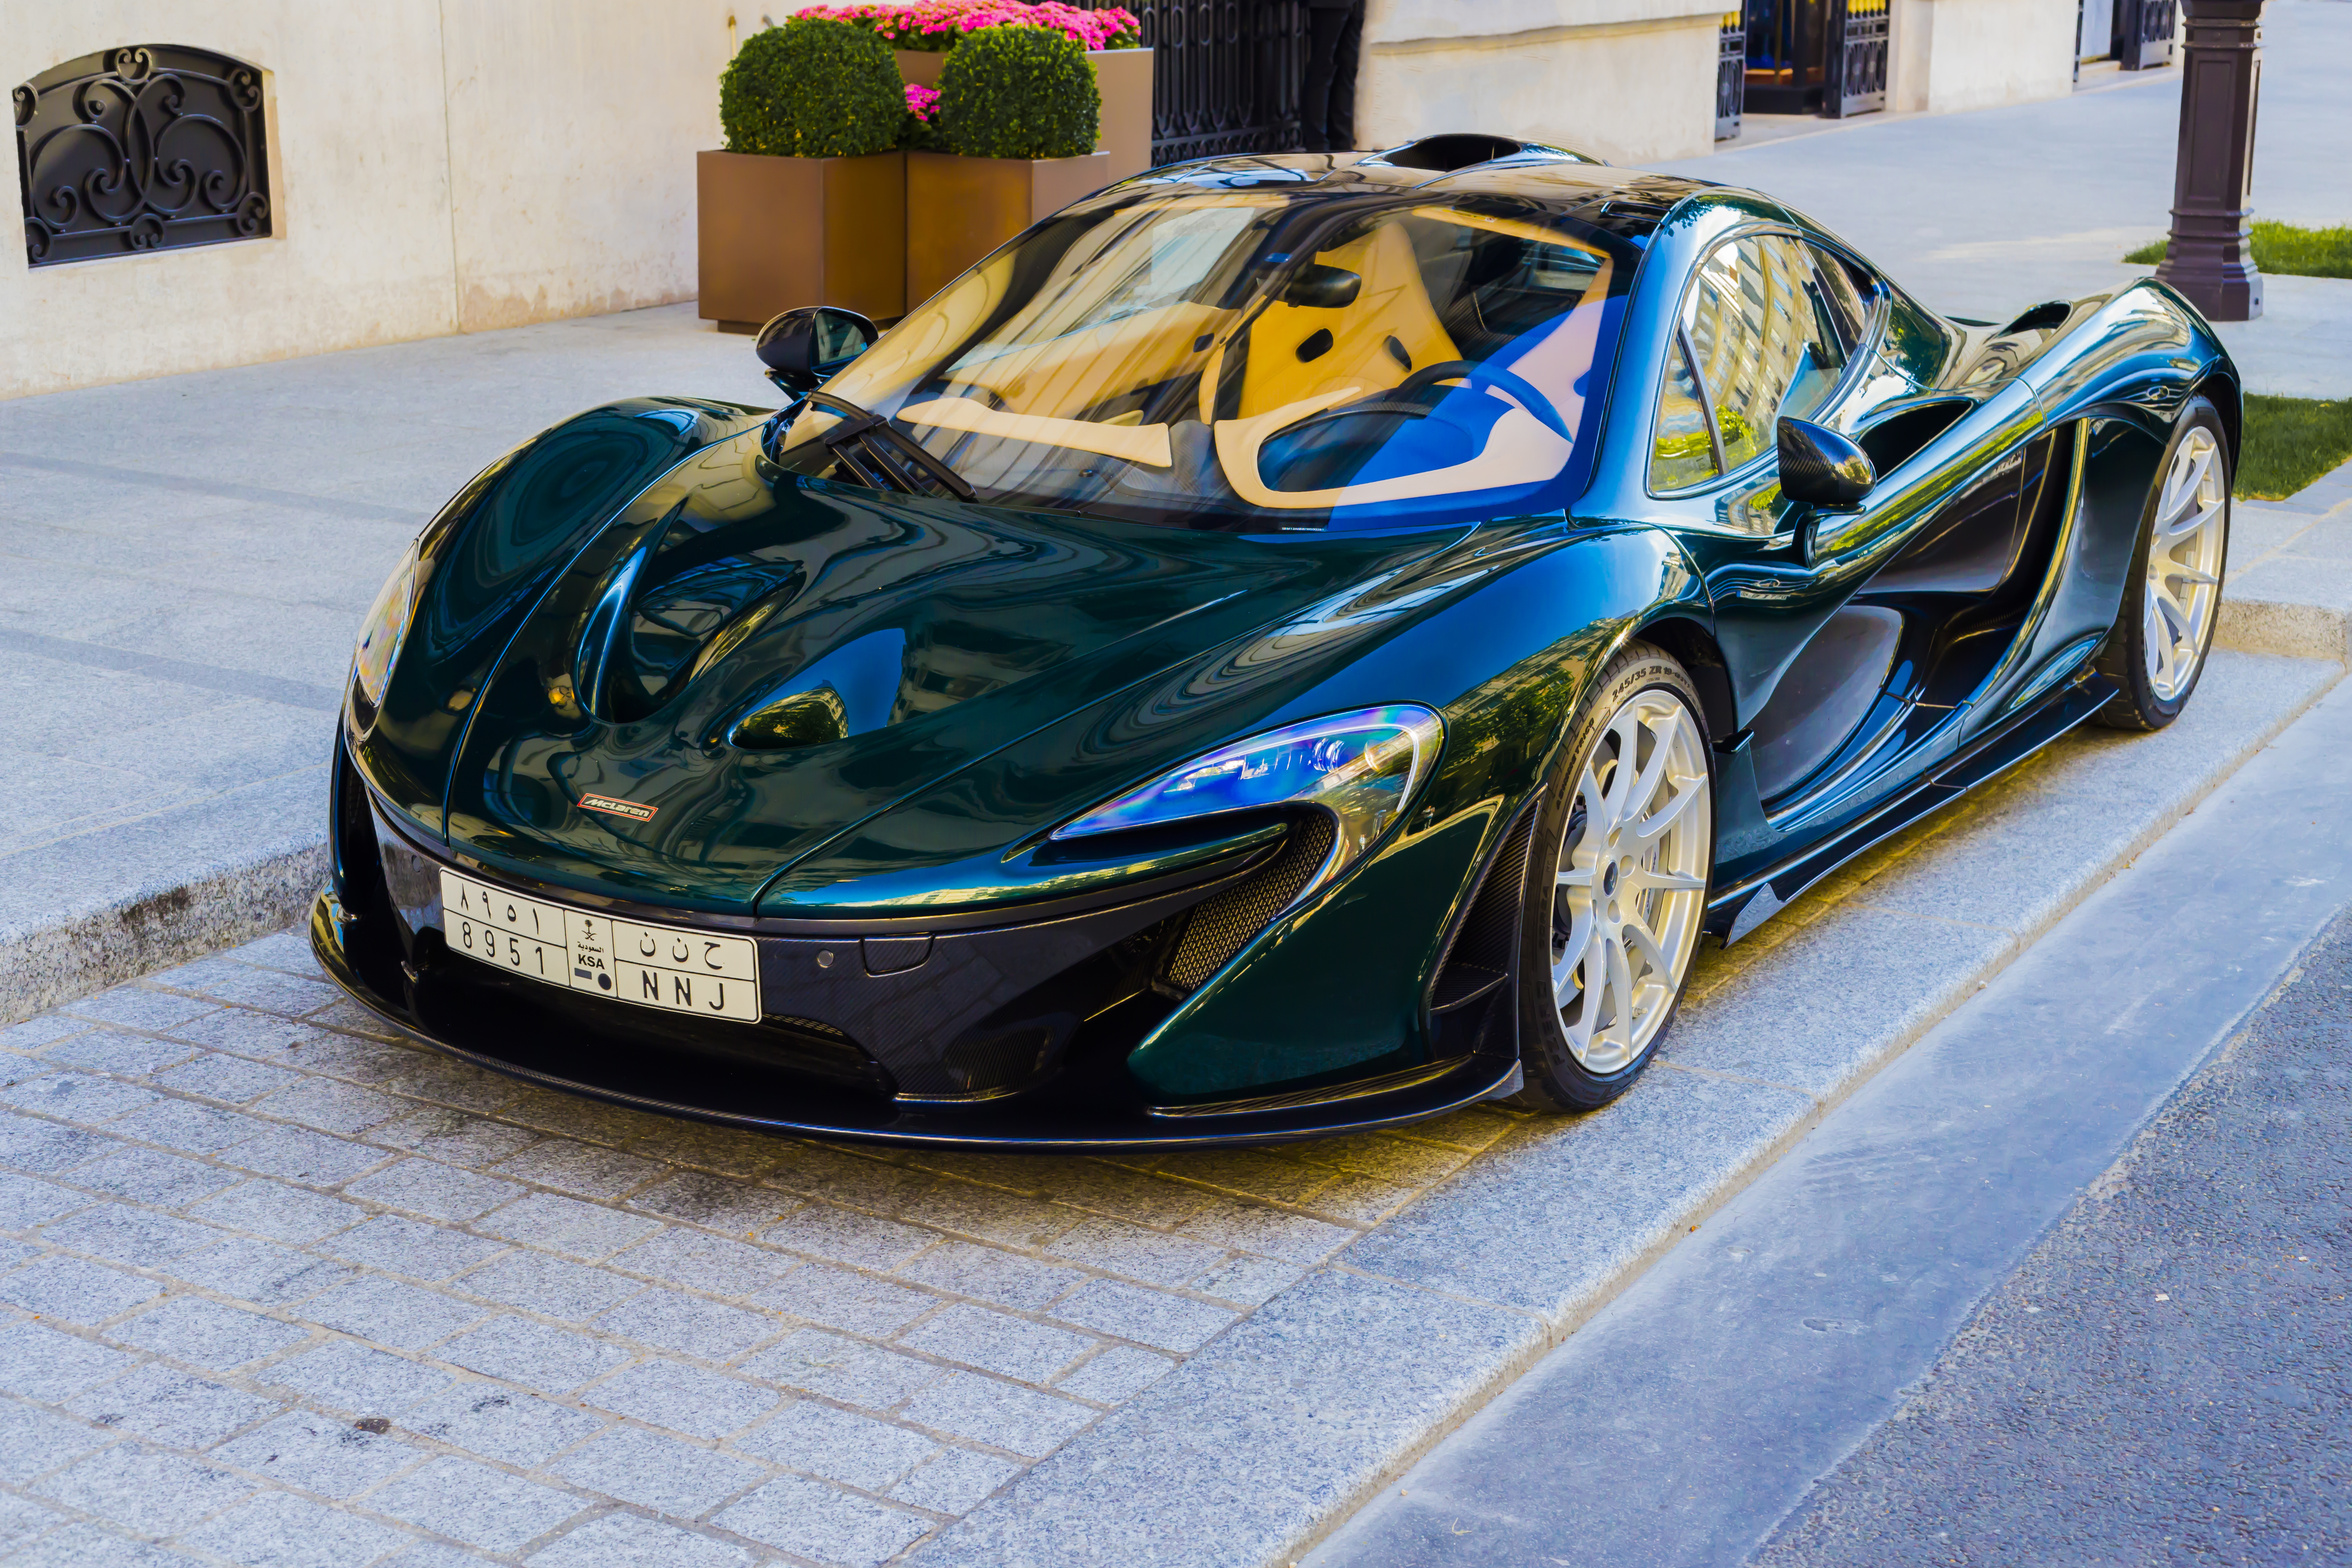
[(1393, 302)]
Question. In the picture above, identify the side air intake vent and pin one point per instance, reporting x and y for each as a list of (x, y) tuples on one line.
[(2047, 317), (1219, 926), (1481, 953)]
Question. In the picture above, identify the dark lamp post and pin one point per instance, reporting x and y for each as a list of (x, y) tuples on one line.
[(2208, 257)]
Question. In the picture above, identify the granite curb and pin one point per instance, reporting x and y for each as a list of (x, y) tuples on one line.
[(1278, 1432), (2290, 572), (248, 864)]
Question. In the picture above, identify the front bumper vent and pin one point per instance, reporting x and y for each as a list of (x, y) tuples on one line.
[(1222, 925)]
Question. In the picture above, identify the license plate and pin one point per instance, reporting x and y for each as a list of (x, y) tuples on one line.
[(676, 970)]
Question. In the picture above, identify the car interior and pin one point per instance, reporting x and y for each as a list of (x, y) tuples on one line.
[(1419, 349)]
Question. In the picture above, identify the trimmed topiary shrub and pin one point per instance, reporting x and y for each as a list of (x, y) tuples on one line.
[(812, 90), (1019, 93)]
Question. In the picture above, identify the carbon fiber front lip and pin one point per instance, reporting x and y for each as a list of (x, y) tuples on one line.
[(1014, 1121)]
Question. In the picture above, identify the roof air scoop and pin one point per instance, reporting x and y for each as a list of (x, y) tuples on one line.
[(1463, 150)]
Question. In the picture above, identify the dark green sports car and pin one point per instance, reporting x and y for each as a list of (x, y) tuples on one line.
[(1286, 643)]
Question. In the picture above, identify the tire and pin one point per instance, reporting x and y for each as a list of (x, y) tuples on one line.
[(2172, 595), (1582, 1044)]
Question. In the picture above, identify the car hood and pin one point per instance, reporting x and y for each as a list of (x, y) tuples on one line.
[(925, 636)]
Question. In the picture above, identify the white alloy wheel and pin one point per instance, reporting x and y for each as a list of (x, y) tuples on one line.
[(1632, 881), (2184, 564)]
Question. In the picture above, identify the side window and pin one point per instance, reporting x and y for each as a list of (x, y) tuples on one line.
[(1754, 318), (1845, 311), (1682, 452)]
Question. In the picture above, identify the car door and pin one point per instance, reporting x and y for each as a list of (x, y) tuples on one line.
[(1767, 328), (1842, 633)]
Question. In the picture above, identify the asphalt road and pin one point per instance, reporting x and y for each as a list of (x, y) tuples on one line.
[(2165, 1378), (1692, 1420)]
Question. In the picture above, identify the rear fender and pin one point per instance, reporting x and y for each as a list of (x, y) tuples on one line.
[(2121, 375)]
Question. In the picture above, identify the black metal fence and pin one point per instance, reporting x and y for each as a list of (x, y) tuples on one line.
[(2143, 30), (1860, 85), (148, 147), (1730, 77), (1225, 74)]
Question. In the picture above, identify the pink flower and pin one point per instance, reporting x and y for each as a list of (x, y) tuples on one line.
[(922, 102), (937, 23)]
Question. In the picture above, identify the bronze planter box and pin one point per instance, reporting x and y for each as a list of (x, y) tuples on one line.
[(960, 209), (920, 67), (1123, 77), (774, 233)]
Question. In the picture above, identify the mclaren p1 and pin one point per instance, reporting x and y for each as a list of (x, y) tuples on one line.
[(1285, 644)]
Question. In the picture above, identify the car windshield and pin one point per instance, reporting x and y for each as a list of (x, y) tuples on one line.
[(1257, 360)]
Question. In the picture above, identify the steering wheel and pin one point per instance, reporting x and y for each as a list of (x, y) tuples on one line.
[(1527, 398)]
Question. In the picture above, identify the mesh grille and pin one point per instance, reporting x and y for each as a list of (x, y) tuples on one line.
[(1482, 943), (1220, 925)]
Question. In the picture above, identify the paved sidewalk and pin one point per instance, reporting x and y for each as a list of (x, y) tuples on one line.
[(1985, 213), (2289, 586), (283, 1274)]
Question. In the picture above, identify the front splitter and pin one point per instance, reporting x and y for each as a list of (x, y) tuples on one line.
[(780, 1103)]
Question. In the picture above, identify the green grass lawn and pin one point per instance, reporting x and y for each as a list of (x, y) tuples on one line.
[(2291, 441), (2281, 248)]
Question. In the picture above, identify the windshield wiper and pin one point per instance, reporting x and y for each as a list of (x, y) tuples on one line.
[(882, 454)]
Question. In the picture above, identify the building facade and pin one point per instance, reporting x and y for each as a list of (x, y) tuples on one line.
[(428, 168)]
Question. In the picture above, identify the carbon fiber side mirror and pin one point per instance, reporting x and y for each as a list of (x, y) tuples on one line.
[(802, 348), (1821, 468)]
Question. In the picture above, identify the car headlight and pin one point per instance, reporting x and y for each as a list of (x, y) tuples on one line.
[(1363, 767), (385, 628)]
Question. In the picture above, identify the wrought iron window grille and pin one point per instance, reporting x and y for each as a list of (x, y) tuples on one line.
[(148, 147)]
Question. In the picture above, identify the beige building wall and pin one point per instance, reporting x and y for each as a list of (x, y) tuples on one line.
[(573, 130), (436, 167), (1629, 80), (1952, 55)]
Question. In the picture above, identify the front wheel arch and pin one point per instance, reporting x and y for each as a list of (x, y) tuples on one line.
[(1581, 1064), (1693, 646)]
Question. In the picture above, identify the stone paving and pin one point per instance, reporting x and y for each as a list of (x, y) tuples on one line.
[(281, 1287), (286, 1288)]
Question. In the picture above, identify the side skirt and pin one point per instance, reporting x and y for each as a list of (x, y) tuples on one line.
[(1734, 912)]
